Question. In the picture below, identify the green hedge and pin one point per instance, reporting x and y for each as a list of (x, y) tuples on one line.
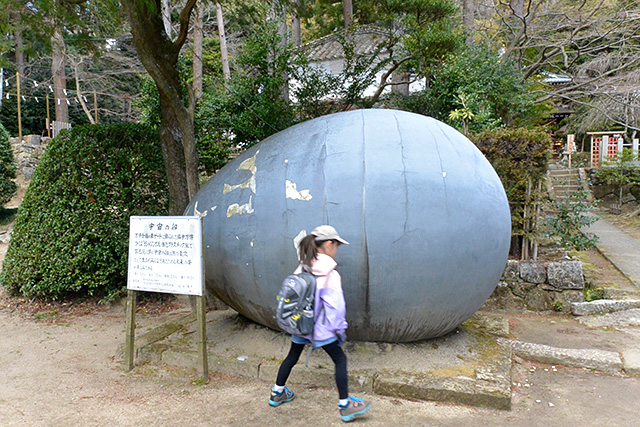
[(7, 168), (70, 236)]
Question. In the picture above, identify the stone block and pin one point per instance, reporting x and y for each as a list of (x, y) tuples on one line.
[(521, 289), (31, 139), (567, 298), (460, 390), (565, 275), (631, 361), (533, 272), (538, 300), (603, 306), (599, 360), (511, 270)]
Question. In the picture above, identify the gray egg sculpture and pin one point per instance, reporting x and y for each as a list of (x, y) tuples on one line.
[(425, 214)]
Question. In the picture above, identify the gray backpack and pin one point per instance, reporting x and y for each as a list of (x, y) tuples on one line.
[(296, 299)]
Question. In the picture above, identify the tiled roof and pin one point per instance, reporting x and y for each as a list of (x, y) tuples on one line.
[(366, 40)]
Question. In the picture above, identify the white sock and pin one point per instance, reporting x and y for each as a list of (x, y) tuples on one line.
[(343, 402), (278, 388)]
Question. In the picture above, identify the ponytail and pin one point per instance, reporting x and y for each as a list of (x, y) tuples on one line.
[(308, 250)]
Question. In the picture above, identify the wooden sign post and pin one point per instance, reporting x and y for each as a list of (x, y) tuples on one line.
[(166, 255)]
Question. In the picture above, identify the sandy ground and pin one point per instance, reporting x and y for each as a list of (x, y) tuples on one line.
[(58, 369)]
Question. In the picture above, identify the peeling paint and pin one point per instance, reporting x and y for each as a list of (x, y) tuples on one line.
[(240, 209), (444, 174), (293, 193), (250, 165), (214, 208), (196, 212)]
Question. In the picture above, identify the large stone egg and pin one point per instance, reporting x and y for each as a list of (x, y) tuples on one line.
[(426, 216)]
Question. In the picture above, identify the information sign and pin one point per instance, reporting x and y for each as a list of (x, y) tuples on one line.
[(165, 255)]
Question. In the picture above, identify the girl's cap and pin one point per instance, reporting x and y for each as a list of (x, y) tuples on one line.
[(327, 232)]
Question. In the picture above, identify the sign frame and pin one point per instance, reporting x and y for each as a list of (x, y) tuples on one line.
[(181, 245)]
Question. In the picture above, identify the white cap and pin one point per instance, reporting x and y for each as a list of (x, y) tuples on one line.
[(327, 232)]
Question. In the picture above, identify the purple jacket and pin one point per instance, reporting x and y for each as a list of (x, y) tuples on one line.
[(328, 295)]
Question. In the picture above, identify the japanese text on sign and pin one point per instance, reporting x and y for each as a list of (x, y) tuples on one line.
[(165, 255)]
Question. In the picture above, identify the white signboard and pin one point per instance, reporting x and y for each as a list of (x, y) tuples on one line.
[(165, 254)]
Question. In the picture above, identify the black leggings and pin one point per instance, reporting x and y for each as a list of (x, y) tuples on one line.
[(333, 350)]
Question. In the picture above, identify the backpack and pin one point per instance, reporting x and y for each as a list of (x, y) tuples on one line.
[(295, 309)]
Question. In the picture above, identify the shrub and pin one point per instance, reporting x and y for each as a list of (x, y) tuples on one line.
[(520, 157), (7, 168), (569, 217), (70, 236)]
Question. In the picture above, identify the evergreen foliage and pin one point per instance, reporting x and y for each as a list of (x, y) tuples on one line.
[(475, 90), (70, 237), (7, 168), (520, 157), (251, 106), (569, 217)]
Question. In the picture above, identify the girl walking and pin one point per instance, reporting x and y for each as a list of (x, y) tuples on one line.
[(318, 251)]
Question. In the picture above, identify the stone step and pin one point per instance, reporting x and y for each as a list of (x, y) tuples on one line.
[(603, 306), (599, 360)]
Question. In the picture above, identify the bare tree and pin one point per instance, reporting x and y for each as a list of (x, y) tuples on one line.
[(198, 39), (593, 45), (468, 18), (296, 35), (224, 54), (348, 13)]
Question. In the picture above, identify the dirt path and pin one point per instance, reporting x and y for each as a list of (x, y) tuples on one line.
[(59, 370)]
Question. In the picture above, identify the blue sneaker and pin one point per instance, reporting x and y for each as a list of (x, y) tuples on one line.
[(353, 408), (285, 395)]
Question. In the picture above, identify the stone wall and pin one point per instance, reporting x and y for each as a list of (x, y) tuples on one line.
[(608, 194), (27, 154), (541, 286)]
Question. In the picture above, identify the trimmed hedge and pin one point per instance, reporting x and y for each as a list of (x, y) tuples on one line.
[(7, 168), (71, 233)]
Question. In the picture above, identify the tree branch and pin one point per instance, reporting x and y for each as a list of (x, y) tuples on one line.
[(185, 16)]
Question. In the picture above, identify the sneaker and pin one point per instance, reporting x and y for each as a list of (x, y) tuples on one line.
[(354, 407), (276, 398)]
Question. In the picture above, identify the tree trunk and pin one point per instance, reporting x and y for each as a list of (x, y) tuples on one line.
[(159, 55), (59, 77), (348, 13), (278, 14), (16, 17), (224, 55), (468, 19), (518, 8), (81, 100), (198, 38), (296, 35), (166, 19)]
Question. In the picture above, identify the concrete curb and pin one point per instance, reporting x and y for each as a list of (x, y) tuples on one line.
[(490, 389), (598, 360), (602, 306), (483, 380)]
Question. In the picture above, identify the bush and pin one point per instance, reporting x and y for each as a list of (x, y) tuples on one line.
[(70, 236), (7, 168), (520, 157), (475, 89), (569, 217)]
